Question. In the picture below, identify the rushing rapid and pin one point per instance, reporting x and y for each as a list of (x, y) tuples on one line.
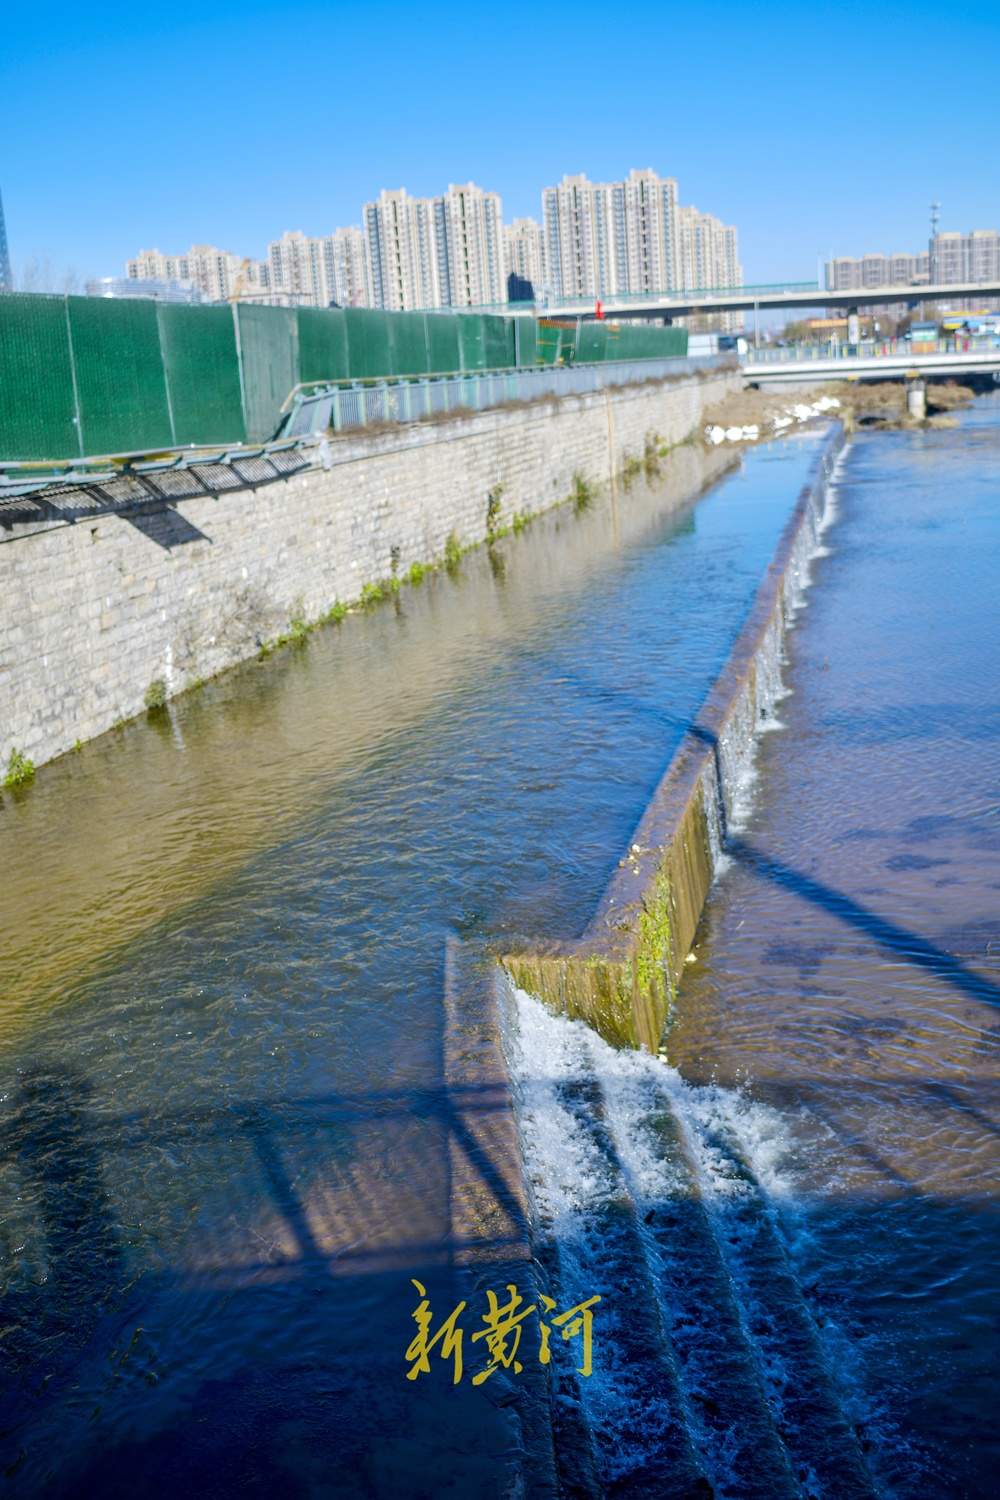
[(669, 1201)]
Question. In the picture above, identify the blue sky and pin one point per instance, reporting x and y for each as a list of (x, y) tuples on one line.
[(811, 127)]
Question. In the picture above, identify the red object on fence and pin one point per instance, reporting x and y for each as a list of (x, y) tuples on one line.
[(599, 311)]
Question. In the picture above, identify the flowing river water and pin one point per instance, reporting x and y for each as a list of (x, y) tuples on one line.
[(224, 1151)]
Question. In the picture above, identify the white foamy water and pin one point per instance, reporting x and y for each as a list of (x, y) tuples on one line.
[(614, 1141), (666, 1142), (735, 765)]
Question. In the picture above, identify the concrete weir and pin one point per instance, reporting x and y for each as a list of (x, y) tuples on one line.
[(621, 975)]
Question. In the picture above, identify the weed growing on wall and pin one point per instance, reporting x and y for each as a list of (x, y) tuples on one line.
[(452, 552), (156, 695), (582, 493), (631, 467), (493, 511), (19, 769)]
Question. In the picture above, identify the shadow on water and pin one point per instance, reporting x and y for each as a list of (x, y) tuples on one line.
[(892, 937), (304, 1330), (320, 1412), (50, 1136)]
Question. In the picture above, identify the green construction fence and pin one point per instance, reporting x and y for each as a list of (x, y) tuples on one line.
[(90, 376)]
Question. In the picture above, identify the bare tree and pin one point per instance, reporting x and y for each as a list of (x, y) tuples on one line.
[(38, 274)]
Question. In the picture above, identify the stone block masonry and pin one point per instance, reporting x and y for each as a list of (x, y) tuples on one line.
[(94, 612)]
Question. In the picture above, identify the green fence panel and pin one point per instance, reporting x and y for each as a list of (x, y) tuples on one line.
[(593, 343), (548, 339), (37, 404), (471, 341), (498, 342), (443, 356), (323, 353), (625, 342), (269, 353), (567, 344), (410, 351), (527, 341), (121, 387), (369, 347), (155, 375), (198, 347)]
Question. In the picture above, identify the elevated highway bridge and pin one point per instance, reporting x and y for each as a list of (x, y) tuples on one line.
[(796, 296)]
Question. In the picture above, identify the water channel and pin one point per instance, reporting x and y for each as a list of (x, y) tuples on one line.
[(224, 955)]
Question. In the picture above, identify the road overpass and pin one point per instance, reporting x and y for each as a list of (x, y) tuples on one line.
[(872, 361), (793, 297)]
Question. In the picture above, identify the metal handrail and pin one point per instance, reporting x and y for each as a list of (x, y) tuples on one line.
[(674, 294), (359, 382), (317, 407), (872, 349)]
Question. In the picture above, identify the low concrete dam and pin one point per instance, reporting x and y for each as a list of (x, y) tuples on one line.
[(255, 1106), (622, 975)]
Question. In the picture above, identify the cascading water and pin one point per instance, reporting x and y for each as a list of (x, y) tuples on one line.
[(672, 1203), (727, 783), (669, 1201)]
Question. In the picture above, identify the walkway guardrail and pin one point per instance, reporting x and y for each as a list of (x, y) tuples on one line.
[(872, 349), (339, 406), (311, 410)]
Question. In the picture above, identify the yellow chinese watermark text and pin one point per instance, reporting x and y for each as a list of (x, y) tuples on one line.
[(504, 1325)]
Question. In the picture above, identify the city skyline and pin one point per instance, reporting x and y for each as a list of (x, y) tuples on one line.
[(802, 148), (593, 239)]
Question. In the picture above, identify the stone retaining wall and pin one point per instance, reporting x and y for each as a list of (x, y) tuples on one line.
[(96, 611)]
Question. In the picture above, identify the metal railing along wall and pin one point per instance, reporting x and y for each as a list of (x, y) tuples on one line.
[(338, 406)]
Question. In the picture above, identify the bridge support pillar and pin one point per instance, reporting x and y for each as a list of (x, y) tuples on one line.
[(916, 400)]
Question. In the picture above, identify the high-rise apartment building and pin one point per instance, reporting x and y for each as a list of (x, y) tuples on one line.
[(581, 253), (346, 260), (952, 257), (947, 257), (632, 236), (405, 251), (471, 229), (965, 257), (310, 271), (218, 274), (707, 252), (435, 252), (982, 255), (845, 273), (296, 268), (645, 231), (522, 253), (6, 277)]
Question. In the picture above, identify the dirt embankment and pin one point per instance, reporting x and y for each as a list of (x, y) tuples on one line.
[(859, 403)]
